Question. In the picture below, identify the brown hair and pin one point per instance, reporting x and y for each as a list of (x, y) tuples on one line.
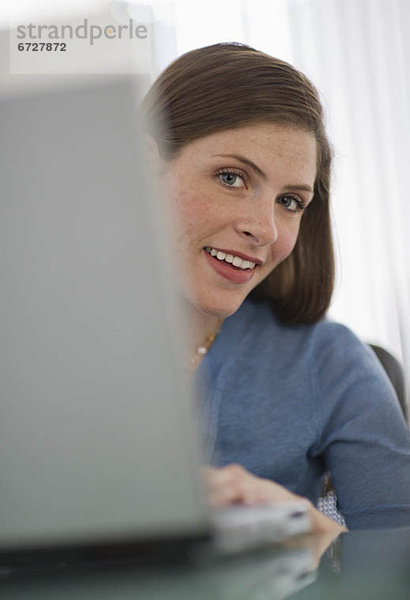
[(229, 85)]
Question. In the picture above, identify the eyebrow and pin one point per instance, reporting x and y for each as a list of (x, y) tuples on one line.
[(259, 171), (246, 161), (301, 187)]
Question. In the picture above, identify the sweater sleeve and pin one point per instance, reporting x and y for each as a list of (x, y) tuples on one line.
[(363, 437)]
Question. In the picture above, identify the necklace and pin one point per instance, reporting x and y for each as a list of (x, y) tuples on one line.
[(203, 349)]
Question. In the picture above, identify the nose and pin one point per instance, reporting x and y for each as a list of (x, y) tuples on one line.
[(259, 224)]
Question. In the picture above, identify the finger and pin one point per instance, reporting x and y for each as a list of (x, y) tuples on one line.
[(216, 477), (223, 496), (230, 484)]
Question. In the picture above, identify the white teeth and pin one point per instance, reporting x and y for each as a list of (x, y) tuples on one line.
[(230, 258), (237, 262)]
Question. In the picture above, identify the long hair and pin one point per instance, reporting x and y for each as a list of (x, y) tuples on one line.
[(229, 85)]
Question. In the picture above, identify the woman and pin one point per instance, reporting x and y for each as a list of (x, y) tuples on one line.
[(288, 395)]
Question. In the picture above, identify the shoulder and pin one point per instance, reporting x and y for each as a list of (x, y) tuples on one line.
[(337, 364), (256, 325)]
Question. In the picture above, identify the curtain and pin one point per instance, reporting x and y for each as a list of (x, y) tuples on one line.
[(357, 53)]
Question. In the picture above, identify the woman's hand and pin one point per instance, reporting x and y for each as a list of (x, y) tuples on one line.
[(234, 484)]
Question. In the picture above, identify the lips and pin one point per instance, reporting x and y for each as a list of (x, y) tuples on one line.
[(229, 271), (239, 254)]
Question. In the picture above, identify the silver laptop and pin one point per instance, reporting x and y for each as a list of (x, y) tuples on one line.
[(98, 446)]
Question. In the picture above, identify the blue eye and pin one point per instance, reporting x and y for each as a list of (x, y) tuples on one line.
[(231, 179), (291, 203)]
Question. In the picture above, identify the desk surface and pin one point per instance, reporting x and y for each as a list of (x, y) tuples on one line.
[(362, 564)]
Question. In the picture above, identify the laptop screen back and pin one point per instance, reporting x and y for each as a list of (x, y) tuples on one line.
[(96, 436)]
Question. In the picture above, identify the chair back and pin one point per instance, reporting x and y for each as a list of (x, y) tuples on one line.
[(395, 373)]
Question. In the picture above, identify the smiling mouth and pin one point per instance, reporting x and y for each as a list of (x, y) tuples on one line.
[(235, 262)]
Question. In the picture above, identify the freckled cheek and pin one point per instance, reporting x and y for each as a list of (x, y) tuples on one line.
[(196, 213), (290, 243), (190, 221), (188, 205), (283, 247)]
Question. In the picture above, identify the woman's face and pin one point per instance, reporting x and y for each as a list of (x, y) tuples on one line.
[(238, 196)]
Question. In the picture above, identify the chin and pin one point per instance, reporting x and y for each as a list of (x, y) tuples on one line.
[(219, 308)]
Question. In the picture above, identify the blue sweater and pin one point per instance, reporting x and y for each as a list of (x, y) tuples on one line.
[(291, 402)]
